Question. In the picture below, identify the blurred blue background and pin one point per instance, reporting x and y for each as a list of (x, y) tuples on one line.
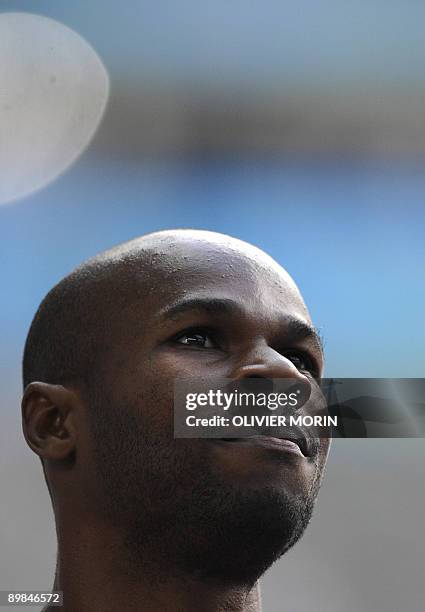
[(299, 128)]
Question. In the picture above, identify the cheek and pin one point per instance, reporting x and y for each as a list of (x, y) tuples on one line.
[(162, 370), (169, 365)]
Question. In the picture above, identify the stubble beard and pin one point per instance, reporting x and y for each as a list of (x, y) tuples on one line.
[(179, 518)]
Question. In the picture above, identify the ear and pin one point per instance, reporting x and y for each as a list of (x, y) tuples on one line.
[(49, 420)]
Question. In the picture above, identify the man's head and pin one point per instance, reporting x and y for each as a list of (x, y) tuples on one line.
[(101, 358)]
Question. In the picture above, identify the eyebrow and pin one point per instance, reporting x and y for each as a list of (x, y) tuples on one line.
[(212, 305), (295, 329), (300, 330)]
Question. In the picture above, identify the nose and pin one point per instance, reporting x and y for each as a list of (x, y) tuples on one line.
[(265, 362)]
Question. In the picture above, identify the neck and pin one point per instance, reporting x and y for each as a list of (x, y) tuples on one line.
[(94, 574)]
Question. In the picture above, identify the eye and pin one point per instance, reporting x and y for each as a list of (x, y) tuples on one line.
[(302, 362), (196, 338)]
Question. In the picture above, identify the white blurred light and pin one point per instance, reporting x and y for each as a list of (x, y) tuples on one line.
[(53, 92)]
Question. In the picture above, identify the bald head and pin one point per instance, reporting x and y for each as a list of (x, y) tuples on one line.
[(77, 320)]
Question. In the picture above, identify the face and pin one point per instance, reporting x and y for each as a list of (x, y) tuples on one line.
[(209, 309)]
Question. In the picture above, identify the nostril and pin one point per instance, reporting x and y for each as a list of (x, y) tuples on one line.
[(256, 384)]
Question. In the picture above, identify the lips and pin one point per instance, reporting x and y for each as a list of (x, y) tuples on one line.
[(299, 445)]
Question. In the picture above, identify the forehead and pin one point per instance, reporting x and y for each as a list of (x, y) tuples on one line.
[(184, 270)]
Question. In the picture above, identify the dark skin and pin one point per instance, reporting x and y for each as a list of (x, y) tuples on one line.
[(203, 305)]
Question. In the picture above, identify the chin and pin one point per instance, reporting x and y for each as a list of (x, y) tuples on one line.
[(243, 537)]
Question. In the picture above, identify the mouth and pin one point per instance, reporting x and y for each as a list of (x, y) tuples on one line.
[(297, 446)]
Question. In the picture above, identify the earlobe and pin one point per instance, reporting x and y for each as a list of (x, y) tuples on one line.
[(48, 420)]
